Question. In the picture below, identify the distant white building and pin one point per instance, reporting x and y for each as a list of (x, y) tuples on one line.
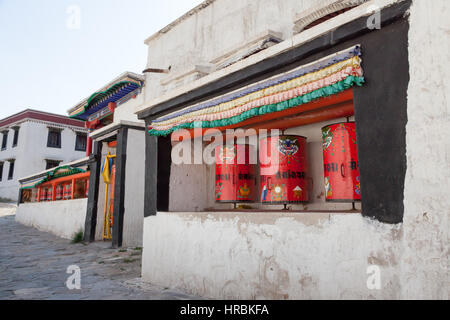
[(33, 141)]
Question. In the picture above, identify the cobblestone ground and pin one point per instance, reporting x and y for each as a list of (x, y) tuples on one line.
[(33, 265)]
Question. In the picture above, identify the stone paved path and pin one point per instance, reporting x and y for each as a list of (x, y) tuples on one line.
[(33, 265)]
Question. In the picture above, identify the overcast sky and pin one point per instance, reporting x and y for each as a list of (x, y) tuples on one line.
[(50, 60)]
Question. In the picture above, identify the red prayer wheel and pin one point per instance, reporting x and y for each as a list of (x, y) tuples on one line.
[(235, 175), (283, 169), (49, 193), (67, 191), (43, 196), (59, 192), (340, 160)]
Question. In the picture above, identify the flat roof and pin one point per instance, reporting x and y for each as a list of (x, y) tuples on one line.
[(40, 115), (171, 25)]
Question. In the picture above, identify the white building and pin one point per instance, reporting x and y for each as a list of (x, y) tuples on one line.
[(33, 141)]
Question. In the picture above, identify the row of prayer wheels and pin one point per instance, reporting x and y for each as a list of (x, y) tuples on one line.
[(283, 167)]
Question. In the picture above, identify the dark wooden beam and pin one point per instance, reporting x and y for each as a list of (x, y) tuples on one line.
[(119, 187), (164, 167), (151, 175), (381, 118), (19, 199), (94, 179)]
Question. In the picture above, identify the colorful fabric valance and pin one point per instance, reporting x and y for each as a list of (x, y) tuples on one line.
[(99, 100), (320, 79)]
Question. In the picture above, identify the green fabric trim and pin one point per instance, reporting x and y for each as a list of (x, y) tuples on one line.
[(54, 175), (336, 88)]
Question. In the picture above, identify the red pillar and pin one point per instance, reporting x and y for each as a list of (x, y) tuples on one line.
[(73, 189), (54, 192), (91, 125), (88, 146)]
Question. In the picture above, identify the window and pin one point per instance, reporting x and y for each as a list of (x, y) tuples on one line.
[(5, 140), (80, 142), (51, 164), (16, 137), (1, 171), (54, 138), (11, 169)]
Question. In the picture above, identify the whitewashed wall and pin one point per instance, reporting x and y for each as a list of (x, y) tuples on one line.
[(271, 255), (127, 110), (194, 40), (134, 189), (62, 218), (427, 203)]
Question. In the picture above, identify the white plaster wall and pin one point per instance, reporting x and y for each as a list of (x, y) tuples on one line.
[(192, 185), (62, 218), (427, 203), (271, 255), (194, 40), (134, 189), (31, 152), (127, 110)]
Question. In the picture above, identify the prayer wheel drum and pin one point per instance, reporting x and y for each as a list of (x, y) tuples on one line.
[(49, 194), (235, 175), (43, 196), (283, 163), (340, 160), (67, 191), (59, 192)]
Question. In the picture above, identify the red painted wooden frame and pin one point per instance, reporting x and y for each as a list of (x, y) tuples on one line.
[(63, 180)]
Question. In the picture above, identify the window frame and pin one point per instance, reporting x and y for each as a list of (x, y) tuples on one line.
[(5, 140), (16, 137), (52, 131), (47, 161), (11, 169), (2, 164), (85, 137)]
